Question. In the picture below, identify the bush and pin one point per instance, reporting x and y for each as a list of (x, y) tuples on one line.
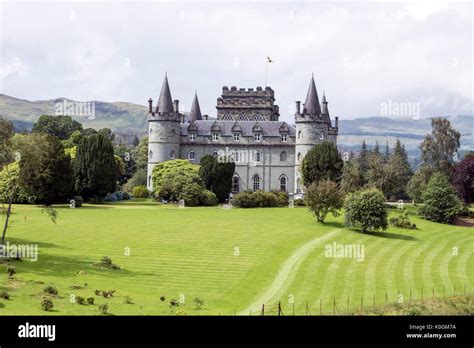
[(5, 295), (78, 201), (299, 202), (128, 300), (172, 167), (140, 192), (104, 308), (248, 199), (11, 271), (50, 290), (208, 198), (282, 198), (80, 300), (118, 196), (90, 300), (441, 204), (402, 221), (47, 304), (324, 197), (366, 209)]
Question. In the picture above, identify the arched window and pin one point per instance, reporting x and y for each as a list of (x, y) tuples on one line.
[(172, 155), (191, 155), (299, 135), (236, 156), (299, 156), (321, 136), (227, 117), (256, 182), (258, 117), (298, 185), (283, 156), (172, 133), (235, 184), (258, 157), (150, 155), (215, 153), (283, 183), (243, 117), (149, 181)]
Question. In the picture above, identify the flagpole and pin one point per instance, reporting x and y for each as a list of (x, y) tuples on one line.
[(266, 72)]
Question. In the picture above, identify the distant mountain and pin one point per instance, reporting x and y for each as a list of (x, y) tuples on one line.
[(131, 119)]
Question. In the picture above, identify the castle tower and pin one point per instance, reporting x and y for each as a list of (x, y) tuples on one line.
[(163, 130), (313, 126), (195, 113)]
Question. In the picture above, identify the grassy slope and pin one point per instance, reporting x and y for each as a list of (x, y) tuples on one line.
[(191, 251)]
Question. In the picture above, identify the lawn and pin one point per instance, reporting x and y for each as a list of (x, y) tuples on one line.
[(232, 259)]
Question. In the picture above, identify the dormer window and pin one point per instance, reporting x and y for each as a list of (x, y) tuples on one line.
[(191, 155), (284, 138), (236, 136), (215, 136), (257, 137), (192, 137)]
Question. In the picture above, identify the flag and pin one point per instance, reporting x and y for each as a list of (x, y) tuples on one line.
[(269, 60)]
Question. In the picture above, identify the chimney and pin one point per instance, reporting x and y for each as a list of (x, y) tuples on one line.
[(205, 117), (337, 121), (298, 107), (150, 106), (176, 105)]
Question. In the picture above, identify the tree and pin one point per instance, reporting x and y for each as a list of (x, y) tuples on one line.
[(400, 171), (322, 162), (45, 170), (323, 198), (171, 166), (351, 179), (140, 154), (135, 141), (378, 174), (366, 209), (217, 176), (95, 167), (439, 149), (129, 165), (441, 203), (363, 161), (6, 144), (463, 178), (418, 183), (60, 126)]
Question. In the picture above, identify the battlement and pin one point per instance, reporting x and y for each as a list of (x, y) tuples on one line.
[(248, 92)]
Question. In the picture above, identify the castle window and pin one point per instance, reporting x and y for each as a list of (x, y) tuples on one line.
[(257, 137), (258, 157), (299, 156), (236, 136), (172, 155), (235, 184), (227, 117), (215, 136), (298, 185), (256, 182), (149, 181), (235, 156), (284, 138), (215, 154), (258, 117), (321, 136), (192, 136), (191, 155), (299, 135), (283, 156), (173, 133), (150, 155), (243, 117), (283, 183)]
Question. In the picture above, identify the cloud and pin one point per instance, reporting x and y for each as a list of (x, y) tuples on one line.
[(362, 53)]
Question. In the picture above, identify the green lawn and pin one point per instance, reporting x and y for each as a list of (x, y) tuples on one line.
[(233, 259)]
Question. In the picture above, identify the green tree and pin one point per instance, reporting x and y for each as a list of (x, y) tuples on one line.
[(363, 161), (322, 162), (366, 209), (60, 126), (6, 143), (441, 204), (324, 197), (352, 179), (45, 169), (140, 154), (95, 167), (418, 183), (378, 173), (440, 148), (400, 171), (171, 166), (217, 175)]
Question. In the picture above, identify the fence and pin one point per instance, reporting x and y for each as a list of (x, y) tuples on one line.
[(347, 305)]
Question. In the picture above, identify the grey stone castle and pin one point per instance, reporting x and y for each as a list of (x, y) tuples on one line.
[(267, 152)]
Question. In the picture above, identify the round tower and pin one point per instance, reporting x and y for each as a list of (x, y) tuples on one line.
[(163, 130)]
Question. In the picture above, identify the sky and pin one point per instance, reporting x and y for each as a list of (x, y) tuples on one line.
[(366, 56)]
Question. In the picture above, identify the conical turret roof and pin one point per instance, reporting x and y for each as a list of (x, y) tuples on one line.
[(195, 113), (311, 105), (165, 102)]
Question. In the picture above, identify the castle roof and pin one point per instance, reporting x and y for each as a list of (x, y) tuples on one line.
[(165, 103), (247, 128), (311, 105), (195, 113)]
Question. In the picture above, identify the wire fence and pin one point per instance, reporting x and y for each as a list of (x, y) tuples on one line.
[(341, 306)]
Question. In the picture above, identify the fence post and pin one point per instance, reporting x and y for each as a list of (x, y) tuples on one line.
[(374, 300), (386, 297), (361, 301), (410, 295), (263, 310), (348, 304), (422, 293), (334, 310), (320, 307)]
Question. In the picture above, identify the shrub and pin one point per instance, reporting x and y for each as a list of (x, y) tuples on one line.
[(282, 198), (11, 271), (323, 198), (140, 192), (322, 162), (208, 198), (172, 167), (5, 295), (366, 209), (248, 199), (198, 302), (50, 290), (402, 221), (78, 201), (117, 196), (299, 202), (47, 304), (80, 300), (128, 300), (90, 300), (104, 308), (441, 203), (106, 262)]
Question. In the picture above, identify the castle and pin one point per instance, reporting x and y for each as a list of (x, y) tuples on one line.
[(266, 151)]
